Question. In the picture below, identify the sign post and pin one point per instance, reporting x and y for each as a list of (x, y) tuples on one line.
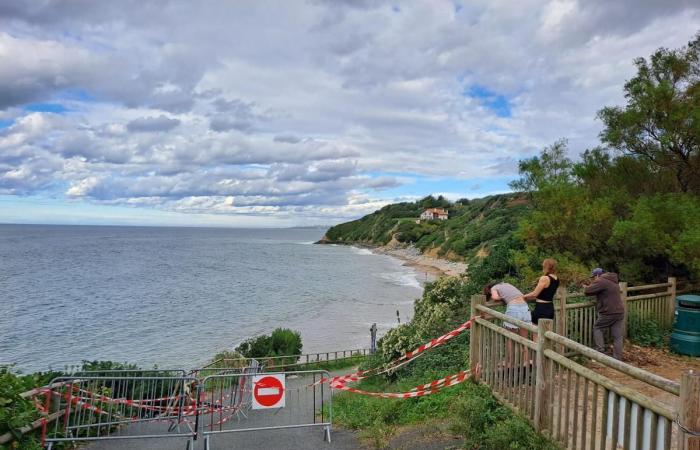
[(268, 391)]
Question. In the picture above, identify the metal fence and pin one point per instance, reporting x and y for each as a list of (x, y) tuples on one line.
[(121, 407), (579, 407), (226, 405), (281, 362)]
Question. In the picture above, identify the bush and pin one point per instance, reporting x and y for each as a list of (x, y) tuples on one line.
[(647, 332), (282, 342), (487, 425)]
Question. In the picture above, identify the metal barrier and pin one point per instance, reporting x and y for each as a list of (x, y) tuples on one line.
[(232, 403), (121, 407)]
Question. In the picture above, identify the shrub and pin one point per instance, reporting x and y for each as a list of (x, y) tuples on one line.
[(646, 332), (282, 342), (487, 425)]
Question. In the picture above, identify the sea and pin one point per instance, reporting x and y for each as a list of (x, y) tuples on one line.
[(174, 297)]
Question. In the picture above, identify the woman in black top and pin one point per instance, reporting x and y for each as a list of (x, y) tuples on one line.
[(544, 292)]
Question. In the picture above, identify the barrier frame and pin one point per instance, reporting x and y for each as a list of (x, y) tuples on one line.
[(326, 425), (176, 420)]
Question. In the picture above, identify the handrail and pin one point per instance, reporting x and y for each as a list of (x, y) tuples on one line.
[(646, 296), (503, 317), (635, 372), (644, 287), (509, 334), (609, 384)]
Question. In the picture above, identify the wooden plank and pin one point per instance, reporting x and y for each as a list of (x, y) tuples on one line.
[(615, 419), (689, 411), (541, 416), (584, 419), (648, 286), (574, 429), (604, 419), (502, 331), (519, 323), (594, 417)]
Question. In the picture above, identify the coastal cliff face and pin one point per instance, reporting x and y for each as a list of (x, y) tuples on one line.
[(473, 227)]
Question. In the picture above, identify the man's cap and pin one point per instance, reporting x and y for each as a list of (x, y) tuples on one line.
[(597, 271)]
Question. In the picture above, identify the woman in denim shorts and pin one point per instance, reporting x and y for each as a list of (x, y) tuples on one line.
[(516, 307)]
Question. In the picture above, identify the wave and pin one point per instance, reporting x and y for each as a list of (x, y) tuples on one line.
[(401, 279), (361, 251)]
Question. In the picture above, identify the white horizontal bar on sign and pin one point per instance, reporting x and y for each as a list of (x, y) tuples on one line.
[(269, 391)]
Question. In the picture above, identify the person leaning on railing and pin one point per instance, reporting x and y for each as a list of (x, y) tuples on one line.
[(516, 307), (611, 311), (544, 292)]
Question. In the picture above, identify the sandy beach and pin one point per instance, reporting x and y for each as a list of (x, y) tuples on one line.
[(432, 268)]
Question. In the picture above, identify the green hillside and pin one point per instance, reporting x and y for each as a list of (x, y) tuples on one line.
[(473, 226)]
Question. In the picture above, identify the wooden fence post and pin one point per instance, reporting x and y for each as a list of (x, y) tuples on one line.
[(689, 414), (542, 418), (671, 300), (561, 320), (475, 336), (623, 295)]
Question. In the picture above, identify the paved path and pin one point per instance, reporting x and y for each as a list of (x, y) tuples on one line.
[(300, 408)]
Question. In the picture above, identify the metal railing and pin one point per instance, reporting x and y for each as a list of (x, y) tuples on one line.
[(279, 362), (226, 399), (120, 407)]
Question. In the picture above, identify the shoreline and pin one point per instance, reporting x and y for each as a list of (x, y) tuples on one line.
[(432, 268)]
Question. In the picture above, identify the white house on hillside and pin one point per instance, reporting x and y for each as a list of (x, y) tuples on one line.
[(434, 214)]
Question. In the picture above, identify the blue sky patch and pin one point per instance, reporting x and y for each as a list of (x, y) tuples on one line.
[(55, 108), (455, 188), (5, 123), (497, 103)]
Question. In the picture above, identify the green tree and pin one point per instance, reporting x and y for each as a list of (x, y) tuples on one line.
[(661, 121)]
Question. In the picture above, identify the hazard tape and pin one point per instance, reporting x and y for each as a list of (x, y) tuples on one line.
[(419, 391), (398, 362)]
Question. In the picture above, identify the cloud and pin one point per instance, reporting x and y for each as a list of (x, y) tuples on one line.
[(152, 124), (338, 110)]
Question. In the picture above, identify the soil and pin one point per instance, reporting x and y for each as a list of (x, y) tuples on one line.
[(658, 361)]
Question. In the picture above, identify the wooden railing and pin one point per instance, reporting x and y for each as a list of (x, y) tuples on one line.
[(574, 405), (575, 313)]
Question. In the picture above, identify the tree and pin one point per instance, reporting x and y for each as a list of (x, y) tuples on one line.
[(551, 167), (661, 121)]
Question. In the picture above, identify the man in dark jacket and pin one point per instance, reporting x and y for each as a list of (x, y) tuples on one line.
[(611, 311)]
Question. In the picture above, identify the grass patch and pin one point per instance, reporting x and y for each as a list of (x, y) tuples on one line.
[(472, 411)]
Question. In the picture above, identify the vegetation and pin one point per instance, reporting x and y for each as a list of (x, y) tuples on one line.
[(647, 332), (282, 342), (472, 231), (630, 205)]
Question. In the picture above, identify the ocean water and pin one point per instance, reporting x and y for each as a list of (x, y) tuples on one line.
[(176, 296)]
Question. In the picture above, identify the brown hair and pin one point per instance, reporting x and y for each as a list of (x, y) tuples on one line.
[(487, 290), (549, 266)]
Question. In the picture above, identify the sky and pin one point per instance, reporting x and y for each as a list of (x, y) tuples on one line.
[(288, 113)]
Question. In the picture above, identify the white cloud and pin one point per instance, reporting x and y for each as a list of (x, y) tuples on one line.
[(186, 108)]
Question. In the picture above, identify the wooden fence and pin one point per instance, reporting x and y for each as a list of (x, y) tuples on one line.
[(576, 313), (573, 404)]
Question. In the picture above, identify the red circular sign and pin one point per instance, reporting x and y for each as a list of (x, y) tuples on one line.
[(268, 391)]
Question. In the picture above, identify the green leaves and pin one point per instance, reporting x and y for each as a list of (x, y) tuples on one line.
[(660, 123)]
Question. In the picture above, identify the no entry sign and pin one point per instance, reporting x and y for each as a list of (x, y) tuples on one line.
[(268, 391)]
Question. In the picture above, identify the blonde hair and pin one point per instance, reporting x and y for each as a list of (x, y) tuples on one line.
[(549, 266)]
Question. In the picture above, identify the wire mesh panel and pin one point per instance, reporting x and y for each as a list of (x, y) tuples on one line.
[(121, 407), (227, 404)]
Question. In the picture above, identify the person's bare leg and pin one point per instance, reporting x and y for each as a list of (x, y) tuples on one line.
[(523, 333)]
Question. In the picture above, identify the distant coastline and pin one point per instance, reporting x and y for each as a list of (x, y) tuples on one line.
[(431, 266)]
